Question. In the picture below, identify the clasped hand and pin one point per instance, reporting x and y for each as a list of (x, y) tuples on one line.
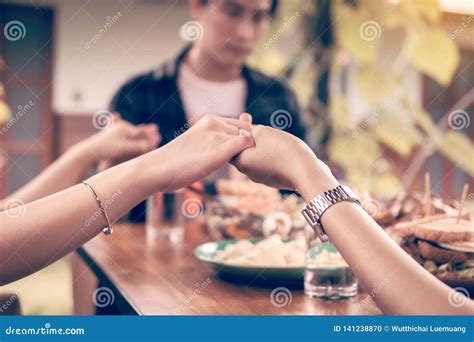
[(266, 155)]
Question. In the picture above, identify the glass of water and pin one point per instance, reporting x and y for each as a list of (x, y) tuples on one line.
[(164, 218), (327, 275)]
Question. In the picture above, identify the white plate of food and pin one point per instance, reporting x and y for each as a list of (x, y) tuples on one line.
[(270, 259)]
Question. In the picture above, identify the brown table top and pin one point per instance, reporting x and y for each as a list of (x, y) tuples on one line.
[(162, 278)]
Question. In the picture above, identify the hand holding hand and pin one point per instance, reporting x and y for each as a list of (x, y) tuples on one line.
[(120, 142), (206, 146), (281, 160)]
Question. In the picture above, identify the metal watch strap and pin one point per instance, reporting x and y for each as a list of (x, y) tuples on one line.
[(318, 206)]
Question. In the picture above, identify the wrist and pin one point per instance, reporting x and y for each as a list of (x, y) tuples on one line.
[(81, 158), (315, 178), (80, 154), (152, 171)]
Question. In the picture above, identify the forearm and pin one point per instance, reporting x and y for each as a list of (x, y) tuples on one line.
[(72, 167), (397, 283), (52, 227)]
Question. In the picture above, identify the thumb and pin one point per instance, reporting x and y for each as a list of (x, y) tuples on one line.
[(116, 116), (246, 117), (238, 144), (152, 135)]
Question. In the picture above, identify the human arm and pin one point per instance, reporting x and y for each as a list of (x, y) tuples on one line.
[(40, 232), (117, 143), (397, 283)]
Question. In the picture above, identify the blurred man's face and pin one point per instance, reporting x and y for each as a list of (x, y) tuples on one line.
[(233, 28)]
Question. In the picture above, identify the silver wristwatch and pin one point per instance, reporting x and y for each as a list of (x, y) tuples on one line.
[(318, 205)]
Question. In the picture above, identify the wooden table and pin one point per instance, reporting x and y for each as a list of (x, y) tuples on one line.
[(162, 278)]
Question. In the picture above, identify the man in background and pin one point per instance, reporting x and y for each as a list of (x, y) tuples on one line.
[(211, 76)]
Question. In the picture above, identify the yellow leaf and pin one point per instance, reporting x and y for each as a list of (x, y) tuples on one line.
[(412, 11), (431, 52), (303, 79), (423, 118), (400, 135), (423, 8), (357, 178), (385, 185), (358, 156), (270, 61), (457, 147), (5, 113), (339, 113), (394, 18), (376, 83), (357, 31), (355, 152)]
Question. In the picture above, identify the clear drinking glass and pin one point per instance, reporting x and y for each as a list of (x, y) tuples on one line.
[(327, 275), (164, 218)]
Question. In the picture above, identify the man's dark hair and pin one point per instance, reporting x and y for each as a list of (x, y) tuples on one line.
[(273, 7)]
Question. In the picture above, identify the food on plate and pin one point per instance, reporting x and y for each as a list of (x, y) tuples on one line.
[(279, 223), (243, 188), (244, 209), (446, 230), (443, 245), (407, 207), (269, 252), (407, 228), (327, 259), (248, 197), (439, 254), (227, 223)]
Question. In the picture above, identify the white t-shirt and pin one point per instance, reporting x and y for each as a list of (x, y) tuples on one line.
[(201, 97)]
